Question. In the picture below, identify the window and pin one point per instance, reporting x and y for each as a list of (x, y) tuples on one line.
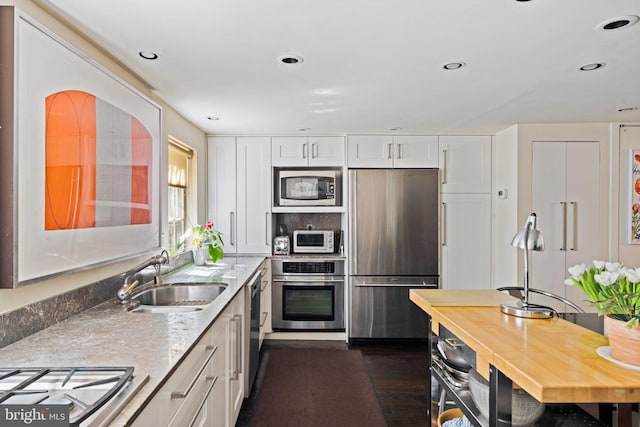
[(180, 158)]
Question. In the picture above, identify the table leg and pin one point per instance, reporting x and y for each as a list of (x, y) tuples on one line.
[(500, 394)]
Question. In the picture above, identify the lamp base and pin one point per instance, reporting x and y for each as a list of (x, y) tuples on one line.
[(518, 309)]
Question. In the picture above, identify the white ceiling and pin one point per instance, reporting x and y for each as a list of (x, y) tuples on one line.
[(372, 65)]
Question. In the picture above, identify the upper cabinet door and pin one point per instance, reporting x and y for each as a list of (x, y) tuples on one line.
[(253, 195), (465, 163), (415, 151), (221, 179), (326, 151), (370, 151), (289, 151)]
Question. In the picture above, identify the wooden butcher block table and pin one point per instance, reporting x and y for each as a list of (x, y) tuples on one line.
[(554, 360)]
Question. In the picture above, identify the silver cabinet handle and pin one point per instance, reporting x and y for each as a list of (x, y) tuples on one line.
[(314, 151), (564, 226), (204, 400), (232, 238), (444, 224), (305, 150), (182, 395), (399, 151), (389, 151), (444, 166), (265, 314), (574, 231), (238, 355)]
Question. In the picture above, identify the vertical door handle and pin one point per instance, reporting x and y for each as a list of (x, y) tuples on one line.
[(389, 151), (573, 226), (232, 238), (444, 166), (399, 151), (239, 343), (305, 150), (564, 226), (444, 224), (314, 150)]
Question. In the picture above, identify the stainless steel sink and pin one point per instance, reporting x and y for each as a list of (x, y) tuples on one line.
[(177, 297)]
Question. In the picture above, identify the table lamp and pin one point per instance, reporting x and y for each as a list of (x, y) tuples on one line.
[(529, 238)]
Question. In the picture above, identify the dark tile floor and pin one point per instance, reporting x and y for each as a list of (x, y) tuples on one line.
[(397, 371)]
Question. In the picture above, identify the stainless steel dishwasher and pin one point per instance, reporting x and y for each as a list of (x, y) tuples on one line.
[(254, 329)]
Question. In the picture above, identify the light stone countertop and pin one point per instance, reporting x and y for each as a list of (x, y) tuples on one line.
[(109, 336)]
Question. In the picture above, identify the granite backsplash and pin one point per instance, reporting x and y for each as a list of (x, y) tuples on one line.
[(34, 317)]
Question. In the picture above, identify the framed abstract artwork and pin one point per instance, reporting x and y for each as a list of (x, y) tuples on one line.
[(88, 160), (631, 195)]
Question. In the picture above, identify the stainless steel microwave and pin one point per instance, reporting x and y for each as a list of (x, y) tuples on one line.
[(307, 187)]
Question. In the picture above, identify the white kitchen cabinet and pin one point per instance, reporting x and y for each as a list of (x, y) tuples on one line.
[(566, 199), (392, 151), (189, 396), (265, 299), (236, 360), (465, 163), (207, 387), (465, 173), (239, 192), (307, 151), (465, 241)]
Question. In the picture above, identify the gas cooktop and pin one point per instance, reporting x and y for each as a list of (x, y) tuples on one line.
[(93, 395)]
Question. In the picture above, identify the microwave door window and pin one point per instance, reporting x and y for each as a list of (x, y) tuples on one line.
[(301, 188), (310, 240)]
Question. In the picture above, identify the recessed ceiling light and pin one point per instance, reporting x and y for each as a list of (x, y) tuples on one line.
[(304, 129), (627, 109), (617, 23), (289, 59), (454, 65), (591, 67), (214, 118), (148, 55)]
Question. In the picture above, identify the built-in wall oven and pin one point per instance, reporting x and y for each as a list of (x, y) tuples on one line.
[(308, 294)]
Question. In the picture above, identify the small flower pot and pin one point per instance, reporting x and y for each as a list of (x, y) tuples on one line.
[(201, 256), (624, 342)]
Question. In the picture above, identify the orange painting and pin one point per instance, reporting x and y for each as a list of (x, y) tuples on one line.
[(98, 164)]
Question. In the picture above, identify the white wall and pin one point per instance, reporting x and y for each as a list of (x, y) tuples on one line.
[(629, 138), (504, 263)]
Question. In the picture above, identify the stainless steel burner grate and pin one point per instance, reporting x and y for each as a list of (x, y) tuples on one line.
[(84, 389)]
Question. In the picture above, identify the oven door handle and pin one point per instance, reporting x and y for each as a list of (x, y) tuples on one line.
[(395, 285), (306, 280)]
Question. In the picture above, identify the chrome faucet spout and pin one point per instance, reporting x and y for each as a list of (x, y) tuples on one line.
[(132, 277)]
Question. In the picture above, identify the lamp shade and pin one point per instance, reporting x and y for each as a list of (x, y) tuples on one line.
[(529, 235)]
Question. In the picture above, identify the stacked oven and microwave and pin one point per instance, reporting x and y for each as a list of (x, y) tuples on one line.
[(308, 281), (393, 217)]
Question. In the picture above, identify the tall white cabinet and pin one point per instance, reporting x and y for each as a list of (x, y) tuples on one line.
[(239, 189), (566, 198), (465, 172)]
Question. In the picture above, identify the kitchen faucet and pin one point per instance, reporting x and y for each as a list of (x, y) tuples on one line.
[(132, 277)]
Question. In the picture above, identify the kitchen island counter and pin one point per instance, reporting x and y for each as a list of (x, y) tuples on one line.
[(554, 360), (110, 336)]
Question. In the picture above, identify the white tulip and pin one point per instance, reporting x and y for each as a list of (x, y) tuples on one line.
[(598, 264), (613, 266), (569, 282), (577, 270), (606, 278)]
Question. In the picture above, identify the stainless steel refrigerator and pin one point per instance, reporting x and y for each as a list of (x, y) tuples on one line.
[(393, 215)]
